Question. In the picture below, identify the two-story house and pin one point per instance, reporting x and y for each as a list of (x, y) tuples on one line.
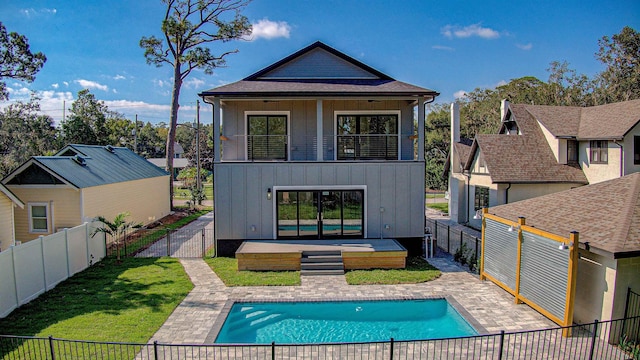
[(541, 150), (318, 146)]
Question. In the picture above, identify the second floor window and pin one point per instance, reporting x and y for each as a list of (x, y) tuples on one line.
[(267, 137), (367, 137), (572, 152), (599, 151)]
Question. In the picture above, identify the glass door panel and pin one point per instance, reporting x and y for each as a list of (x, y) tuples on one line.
[(331, 213), (287, 213), (352, 210), (308, 214)]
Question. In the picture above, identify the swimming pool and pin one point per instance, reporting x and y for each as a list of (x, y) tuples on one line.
[(341, 321)]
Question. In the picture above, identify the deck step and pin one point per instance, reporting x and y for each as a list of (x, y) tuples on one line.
[(321, 263)]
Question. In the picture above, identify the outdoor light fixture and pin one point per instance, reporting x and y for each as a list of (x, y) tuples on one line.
[(478, 215), (563, 246), (269, 194), (223, 138)]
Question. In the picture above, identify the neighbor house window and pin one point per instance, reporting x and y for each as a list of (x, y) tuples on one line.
[(38, 217), (572, 152), (599, 151), (482, 198), (636, 150), (367, 137), (267, 137)]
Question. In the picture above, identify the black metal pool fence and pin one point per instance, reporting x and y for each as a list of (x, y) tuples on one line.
[(615, 339)]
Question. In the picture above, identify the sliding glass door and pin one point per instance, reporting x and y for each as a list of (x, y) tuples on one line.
[(320, 214)]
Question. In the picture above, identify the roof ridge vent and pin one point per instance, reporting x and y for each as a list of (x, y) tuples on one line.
[(80, 160), (110, 149)]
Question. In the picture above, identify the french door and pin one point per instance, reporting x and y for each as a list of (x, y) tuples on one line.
[(320, 214)]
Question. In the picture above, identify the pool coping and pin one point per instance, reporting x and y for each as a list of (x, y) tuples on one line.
[(226, 309)]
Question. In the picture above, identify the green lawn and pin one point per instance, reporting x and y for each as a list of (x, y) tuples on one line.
[(185, 194), (125, 302), (227, 271), (442, 207), (417, 271)]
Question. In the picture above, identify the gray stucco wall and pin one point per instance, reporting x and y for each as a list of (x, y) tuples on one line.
[(241, 194)]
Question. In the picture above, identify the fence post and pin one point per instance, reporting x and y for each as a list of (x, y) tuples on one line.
[(44, 263), (448, 239), (391, 348), (155, 349), (477, 255), (593, 339), (125, 243), (86, 238), (501, 345), (66, 248), (168, 242), (203, 244), (51, 348), (273, 350)]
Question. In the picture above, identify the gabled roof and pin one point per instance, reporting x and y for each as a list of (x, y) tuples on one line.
[(11, 196), (610, 121), (82, 166), (606, 214), (525, 158), (462, 149), (318, 70)]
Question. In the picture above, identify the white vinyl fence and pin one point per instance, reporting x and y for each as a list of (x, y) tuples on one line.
[(36, 266)]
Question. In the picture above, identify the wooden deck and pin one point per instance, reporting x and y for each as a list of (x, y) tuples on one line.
[(286, 254)]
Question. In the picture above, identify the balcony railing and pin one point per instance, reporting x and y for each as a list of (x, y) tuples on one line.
[(304, 148)]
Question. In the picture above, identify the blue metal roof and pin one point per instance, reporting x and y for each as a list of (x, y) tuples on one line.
[(98, 165)]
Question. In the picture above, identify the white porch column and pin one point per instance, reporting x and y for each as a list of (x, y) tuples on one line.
[(319, 141), (216, 129), (421, 128)]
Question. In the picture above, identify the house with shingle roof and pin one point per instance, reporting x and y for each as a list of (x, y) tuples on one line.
[(606, 215), (541, 150), (8, 202), (320, 146), (81, 182)]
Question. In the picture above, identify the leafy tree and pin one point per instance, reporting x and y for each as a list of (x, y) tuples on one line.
[(117, 229), (24, 133), (187, 26), (151, 142), (16, 60), (567, 88), (206, 149), (621, 79), (86, 123)]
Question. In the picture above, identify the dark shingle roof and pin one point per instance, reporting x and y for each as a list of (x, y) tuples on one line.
[(101, 166), (606, 214), (307, 79)]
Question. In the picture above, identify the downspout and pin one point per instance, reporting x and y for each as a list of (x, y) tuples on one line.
[(506, 194), (621, 158), (468, 199)]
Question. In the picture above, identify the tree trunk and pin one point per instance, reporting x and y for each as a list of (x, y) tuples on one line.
[(171, 136)]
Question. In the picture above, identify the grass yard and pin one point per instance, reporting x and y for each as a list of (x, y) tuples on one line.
[(185, 194), (418, 270), (442, 207), (227, 271), (126, 302)]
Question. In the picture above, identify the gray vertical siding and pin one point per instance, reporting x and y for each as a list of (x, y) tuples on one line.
[(241, 188)]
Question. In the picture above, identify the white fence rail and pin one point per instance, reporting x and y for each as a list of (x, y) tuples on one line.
[(36, 266)]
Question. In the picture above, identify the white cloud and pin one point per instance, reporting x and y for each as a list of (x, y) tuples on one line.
[(193, 83), (35, 12), (21, 91), (114, 91), (459, 94), (55, 86), (440, 47), (88, 84), (160, 83), (119, 77), (65, 83), (528, 46), (268, 29), (452, 31)]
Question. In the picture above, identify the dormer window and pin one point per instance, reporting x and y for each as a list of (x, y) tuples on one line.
[(510, 128), (572, 152)]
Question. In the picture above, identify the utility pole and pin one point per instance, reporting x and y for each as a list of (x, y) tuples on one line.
[(135, 135)]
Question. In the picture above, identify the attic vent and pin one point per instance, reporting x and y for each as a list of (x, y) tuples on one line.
[(80, 160), (110, 148)]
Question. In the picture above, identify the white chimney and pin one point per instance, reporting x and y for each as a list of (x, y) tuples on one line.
[(504, 104), (455, 123)]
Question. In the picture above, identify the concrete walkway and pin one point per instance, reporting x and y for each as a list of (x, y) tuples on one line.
[(492, 307)]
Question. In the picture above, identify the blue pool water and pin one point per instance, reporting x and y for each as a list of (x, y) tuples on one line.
[(342, 321)]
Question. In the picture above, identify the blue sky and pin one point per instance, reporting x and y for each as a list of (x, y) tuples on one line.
[(448, 46)]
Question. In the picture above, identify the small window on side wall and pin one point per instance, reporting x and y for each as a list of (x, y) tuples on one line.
[(599, 151), (39, 217), (636, 150), (481, 198), (572, 152)]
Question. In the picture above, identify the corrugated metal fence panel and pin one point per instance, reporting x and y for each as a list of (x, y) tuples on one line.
[(501, 252), (544, 273)]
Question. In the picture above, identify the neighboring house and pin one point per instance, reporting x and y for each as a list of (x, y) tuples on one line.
[(81, 182), (606, 216), (8, 202), (179, 161), (318, 146), (541, 150)]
